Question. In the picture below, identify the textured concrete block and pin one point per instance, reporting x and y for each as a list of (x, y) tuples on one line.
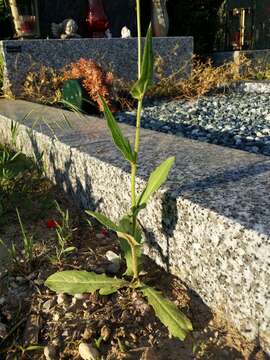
[(112, 54), (209, 224)]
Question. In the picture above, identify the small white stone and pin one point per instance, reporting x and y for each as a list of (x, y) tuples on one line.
[(115, 262), (56, 317), (88, 352), (79, 296), (50, 352), (2, 300), (62, 299), (3, 331)]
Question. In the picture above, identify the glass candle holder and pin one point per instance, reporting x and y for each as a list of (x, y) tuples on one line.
[(96, 20)]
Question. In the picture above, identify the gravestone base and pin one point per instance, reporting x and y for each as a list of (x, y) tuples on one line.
[(116, 54)]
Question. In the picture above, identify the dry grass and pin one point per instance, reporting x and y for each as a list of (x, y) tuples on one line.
[(205, 77), (95, 80), (43, 85)]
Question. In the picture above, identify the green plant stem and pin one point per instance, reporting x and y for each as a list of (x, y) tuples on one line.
[(139, 34), (137, 144), (134, 166)]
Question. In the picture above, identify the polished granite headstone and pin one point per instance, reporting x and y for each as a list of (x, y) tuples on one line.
[(117, 55)]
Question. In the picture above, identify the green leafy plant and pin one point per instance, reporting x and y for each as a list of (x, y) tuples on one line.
[(64, 234), (128, 228), (27, 240), (27, 249)]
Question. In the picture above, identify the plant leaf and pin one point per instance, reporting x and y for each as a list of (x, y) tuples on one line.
[(121, 142), (140, 87), (168, 313), (78, 282), (124, 233), (103, 220), (69, 249), (156, 179)]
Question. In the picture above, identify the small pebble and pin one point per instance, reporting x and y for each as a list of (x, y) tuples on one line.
[(3, 331), (105, 333), (115, 262), (88, 334), (62, 299), (50, 352), (88, 352)]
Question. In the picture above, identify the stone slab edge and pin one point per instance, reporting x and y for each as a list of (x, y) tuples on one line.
[(225, 262), (252, 87)]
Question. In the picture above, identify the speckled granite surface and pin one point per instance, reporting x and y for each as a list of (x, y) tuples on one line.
[(257, 87), (209, 224), (20, 56)]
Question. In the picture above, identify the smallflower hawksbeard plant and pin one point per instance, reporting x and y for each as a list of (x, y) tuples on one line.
[(128, 229)]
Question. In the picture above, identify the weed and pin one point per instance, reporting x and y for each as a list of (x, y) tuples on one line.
[(43, 85), (64, 234), (12, 252), (14, 129), (27, 241), (128, 228), (24, 256)]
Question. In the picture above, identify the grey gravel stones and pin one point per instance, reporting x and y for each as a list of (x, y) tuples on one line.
[(236, 120)]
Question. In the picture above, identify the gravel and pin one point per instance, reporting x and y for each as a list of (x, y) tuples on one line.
[(240, 121)]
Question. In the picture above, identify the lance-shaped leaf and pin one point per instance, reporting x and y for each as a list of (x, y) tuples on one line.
[(126, 241), (168, 313), (78, 282), (103, 220), (121, 142), (140, 87), (156, 179)]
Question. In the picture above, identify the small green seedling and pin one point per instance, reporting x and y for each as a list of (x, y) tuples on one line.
[(28, 245), (64, 234), (28, 242), (128, 228)]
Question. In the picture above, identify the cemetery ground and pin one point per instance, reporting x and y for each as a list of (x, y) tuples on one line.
[(119, 326)]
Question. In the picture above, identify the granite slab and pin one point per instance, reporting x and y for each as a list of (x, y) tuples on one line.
[(209, 224), (20, 57)]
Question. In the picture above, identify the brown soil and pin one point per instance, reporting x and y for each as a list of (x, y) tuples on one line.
[(32, 314)]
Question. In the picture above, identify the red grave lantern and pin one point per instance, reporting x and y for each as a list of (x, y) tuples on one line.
[(97, 21)]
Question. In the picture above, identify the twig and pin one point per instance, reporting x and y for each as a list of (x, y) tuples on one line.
[(15, 327)]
